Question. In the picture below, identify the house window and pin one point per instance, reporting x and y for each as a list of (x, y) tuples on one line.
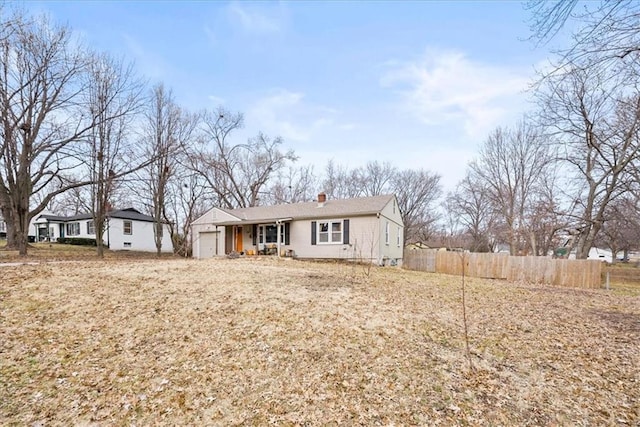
[(127, 244), (386, 233), (398, 237), (73, 229), (330, 232), (3, 227), (91, 227), (127, 227), (269, 233)]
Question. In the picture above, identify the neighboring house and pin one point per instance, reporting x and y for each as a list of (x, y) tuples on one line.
[(418, 246), (125, 229), (362, 229), (3, 230), (596, 254)]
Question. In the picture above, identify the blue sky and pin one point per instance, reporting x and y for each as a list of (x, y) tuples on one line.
[(416, 83)]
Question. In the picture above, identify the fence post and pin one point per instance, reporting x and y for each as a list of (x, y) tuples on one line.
[(607, 281)]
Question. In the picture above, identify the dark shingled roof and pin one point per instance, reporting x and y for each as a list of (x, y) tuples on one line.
[(129, 213)]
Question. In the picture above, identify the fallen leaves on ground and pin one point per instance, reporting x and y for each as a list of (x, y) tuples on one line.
[(270, 341)]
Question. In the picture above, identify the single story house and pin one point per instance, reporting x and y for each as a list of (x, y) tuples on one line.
[(126, 229), (366, 229)]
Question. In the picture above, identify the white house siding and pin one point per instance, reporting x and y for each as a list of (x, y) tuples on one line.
[(391, 252), (207, 232), (208, 246), (209, 239), (141, 239), (83, 229), (214, 215), (363, 235)]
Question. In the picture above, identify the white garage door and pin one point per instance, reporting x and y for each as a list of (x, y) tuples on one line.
[(207, 245)]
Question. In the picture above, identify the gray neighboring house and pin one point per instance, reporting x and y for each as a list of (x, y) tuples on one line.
[(368, 229)]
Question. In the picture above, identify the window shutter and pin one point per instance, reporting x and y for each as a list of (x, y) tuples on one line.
[(287, 227), (88, 227), (345, 236), (313, 232), (254, 231)]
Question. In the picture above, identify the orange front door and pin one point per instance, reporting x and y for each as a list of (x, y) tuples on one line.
[(239, 239)]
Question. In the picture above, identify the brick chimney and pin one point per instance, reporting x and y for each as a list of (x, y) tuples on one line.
[(322, 197)]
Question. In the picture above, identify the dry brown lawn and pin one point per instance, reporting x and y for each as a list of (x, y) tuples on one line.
[(41, 252), (268, 341)]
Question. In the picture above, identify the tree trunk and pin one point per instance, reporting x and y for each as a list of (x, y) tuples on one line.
[(533, 243), (157, 217), (614, 253), (22, 227), (99, 226), (12, 239), (582, 249)]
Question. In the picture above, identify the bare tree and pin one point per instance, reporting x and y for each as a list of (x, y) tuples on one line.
[(471, 207), (545, 216), (341, 183), (237, 173), (376, 178), (417, 192), (293, 185), (74, 201), (596, 122), (168, 131), (40, 94), (608, 31), (511, 163), (114, 97), (621, 229), (373, 179), (187, 199)]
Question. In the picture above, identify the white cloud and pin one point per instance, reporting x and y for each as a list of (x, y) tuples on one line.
[(285, 113), (447, 88), (256, 20)]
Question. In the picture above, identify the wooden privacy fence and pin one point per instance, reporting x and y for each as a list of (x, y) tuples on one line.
[(556, 272)]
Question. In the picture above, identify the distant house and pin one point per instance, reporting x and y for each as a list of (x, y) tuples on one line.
[(366, 229), (598, 254), (419, 246), (3, 229), (125, 229)]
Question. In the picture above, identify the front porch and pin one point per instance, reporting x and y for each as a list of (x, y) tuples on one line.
[(271, 239)]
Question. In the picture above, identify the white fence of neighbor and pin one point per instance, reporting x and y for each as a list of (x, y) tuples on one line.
[(533, 269)]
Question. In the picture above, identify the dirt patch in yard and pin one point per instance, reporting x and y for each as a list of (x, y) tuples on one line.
[(268, 341)]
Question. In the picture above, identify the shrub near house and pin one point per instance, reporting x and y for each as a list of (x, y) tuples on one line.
[(78, 241)]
